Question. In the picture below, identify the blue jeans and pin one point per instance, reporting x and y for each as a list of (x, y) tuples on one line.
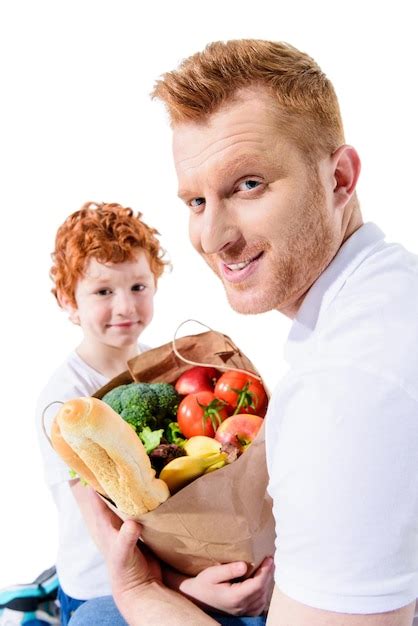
[(103, 612), (67, 606)]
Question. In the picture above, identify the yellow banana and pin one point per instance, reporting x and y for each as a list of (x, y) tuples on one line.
[(201, 446), (215, 466), (181, 471)]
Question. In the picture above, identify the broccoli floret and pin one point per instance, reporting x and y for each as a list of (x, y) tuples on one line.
[(112, 398), (144, 404), (168, 400), (139, 393), (139, 406)]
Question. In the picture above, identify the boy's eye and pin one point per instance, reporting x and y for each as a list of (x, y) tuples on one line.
[(103, 292), (138, 287)]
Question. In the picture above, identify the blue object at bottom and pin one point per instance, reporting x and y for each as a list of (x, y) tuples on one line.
[(103, 612), (68, 606)]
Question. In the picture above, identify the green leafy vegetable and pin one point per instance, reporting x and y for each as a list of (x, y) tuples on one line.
[(151, 438)]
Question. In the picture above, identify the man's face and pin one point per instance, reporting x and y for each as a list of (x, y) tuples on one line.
[(259, 215)]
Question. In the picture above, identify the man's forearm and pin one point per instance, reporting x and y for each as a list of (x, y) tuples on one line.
[(156, 604), (284, 611)]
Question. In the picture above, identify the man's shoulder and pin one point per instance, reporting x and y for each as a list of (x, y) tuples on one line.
[(373, 320), (383, 288), (391, 271)]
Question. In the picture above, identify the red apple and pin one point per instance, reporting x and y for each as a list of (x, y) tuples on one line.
[(239, 430), (197, 379)]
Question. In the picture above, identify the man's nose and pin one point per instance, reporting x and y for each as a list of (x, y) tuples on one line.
[(219, 228)]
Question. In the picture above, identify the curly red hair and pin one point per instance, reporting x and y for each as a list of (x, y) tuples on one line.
[(110, 233)]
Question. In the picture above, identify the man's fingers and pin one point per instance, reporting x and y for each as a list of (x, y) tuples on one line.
[(224, 573), (103, 524), (128, 535), (102, 511)]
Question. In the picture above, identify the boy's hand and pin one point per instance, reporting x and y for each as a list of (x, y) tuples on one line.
[(213, 588)]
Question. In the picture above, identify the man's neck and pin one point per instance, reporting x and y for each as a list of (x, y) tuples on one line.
[(350, 224), (107, 360)]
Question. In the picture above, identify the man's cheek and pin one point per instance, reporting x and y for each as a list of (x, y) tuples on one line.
[(212, 262), (194, 236)]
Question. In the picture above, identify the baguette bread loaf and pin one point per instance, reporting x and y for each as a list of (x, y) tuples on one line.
[(113, 453), (72, 459)]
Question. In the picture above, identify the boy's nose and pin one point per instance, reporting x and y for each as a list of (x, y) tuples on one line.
[(125, 304)]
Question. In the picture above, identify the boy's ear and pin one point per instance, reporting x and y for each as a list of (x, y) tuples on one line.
[(71, 310)]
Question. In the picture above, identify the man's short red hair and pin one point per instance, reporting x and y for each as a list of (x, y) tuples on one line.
[(109, 233), (304, 98)]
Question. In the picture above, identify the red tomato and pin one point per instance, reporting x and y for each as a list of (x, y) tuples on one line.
[(243, 392), (200, 414)]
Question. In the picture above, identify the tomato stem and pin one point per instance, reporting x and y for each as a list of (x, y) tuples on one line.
[(245, 398), (211, 412)]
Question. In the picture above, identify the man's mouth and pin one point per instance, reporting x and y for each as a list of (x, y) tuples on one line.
[(240, 266), (235, 272)]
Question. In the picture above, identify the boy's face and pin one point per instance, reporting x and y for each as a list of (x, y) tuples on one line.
[(114, 301)]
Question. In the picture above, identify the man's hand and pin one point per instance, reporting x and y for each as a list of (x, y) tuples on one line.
[(214, 587), (134, 574), (129, 568)]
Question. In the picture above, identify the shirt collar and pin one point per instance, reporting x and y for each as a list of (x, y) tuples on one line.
[(323, 291)]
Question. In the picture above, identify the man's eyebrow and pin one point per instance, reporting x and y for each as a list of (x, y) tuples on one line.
[(244, 165), (184, 193)]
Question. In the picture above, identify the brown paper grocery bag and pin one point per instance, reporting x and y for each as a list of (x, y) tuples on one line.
[(225, 515)]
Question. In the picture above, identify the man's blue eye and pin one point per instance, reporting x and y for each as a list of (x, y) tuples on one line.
[(197, 202), (251, 184)]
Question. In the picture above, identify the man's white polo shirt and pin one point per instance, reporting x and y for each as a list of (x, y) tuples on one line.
[(342, 435)]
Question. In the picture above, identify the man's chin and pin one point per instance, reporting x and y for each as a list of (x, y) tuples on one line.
[(249, 303)]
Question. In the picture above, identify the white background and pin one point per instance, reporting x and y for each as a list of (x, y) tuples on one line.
[(77, 124)]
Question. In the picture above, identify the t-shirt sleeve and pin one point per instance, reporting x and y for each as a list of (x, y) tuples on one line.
[(342, 450)]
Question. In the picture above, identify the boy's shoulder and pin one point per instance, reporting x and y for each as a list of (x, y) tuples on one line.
[(72, 378)]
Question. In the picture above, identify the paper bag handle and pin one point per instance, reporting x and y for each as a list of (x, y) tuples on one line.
[(43, 420), (215, 365)]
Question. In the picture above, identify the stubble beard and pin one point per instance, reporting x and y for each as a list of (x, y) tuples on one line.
[(292, 267)]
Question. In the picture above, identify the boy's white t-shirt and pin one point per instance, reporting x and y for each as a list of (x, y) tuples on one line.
[(80, 566)]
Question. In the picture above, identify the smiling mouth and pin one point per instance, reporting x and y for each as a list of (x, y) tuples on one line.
[(123, 324), (235, 267)]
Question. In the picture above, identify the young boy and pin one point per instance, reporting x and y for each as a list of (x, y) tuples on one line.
[(106, 265)]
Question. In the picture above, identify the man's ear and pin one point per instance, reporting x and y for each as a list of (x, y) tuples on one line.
[(346, 166), (72, 311)]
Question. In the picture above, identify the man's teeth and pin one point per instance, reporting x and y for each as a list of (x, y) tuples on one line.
[(238, 266)]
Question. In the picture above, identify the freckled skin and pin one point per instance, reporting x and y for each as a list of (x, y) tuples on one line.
[(250, 191)]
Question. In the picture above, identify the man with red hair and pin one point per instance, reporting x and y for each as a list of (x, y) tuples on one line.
[(270, 183)]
